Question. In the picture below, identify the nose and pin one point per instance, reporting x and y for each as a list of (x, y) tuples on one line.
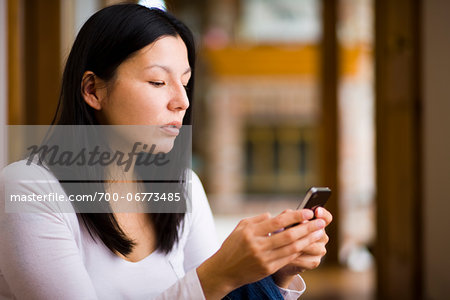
[(179, 100)]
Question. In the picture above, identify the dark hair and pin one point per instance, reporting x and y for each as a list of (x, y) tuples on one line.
[(108, 38)]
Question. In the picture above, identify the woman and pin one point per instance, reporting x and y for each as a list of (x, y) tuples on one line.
[(134, 65)]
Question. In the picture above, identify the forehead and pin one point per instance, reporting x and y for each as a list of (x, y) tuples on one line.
[(169, 51)]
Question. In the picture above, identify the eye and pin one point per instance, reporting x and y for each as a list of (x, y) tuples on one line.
[(157, 83)]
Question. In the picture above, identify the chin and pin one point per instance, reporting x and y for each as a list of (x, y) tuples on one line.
[(164, 145)]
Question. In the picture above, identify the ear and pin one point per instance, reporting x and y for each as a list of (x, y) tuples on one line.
[(92, 90)]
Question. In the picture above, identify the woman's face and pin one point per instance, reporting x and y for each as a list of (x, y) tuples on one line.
[(149, 87)]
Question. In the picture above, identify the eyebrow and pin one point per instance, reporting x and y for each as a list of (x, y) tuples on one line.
[(168, 70)]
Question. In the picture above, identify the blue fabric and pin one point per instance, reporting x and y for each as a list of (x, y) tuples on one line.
[(265, 289)]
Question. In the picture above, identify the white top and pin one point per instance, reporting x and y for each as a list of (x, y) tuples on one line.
[(49, 255)]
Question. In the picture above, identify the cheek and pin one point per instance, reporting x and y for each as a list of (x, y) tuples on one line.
[(146, 112), (134, 106)]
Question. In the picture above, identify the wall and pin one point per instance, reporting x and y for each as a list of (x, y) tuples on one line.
[(83, 10), (74, 13), (436, 147), (3, 83)]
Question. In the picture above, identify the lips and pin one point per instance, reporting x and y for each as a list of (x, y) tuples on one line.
[(174, 124), (172, 128)]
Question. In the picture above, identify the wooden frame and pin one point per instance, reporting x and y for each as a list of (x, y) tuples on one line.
[(398, 128), (34, 65), (42, 60), (329, 120), (15, 96)]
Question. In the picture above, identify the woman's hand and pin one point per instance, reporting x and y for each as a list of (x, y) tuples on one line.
[(309, 258), (251, 253)]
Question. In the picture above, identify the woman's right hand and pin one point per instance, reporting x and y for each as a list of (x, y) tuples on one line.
[(251, 253)]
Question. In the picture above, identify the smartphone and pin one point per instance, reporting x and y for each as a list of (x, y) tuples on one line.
[(315, 197)]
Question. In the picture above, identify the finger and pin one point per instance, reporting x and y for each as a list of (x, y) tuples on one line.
[(280, 262), (307, 262), (310, 215), (307, 213), (255, 219), (324, 214), (283, 220), (292, 234), (295, 247), (289, 253), (324, 239), (314, 249), (259, 218)]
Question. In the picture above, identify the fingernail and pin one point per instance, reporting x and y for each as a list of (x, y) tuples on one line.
[(319, 211), (320, 224)]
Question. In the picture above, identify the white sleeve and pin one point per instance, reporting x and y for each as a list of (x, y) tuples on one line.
[(202, 238), (39, 258), (295, 289)]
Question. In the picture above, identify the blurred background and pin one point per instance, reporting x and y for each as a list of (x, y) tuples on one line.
[(290, 94)]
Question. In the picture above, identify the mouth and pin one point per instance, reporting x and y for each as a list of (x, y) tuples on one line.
[(173, 125), (172, 129)]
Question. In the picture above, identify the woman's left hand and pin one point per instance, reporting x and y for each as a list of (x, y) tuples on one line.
[(309, 258)]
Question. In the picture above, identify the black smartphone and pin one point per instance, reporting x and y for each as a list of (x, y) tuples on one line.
[(315, 197)]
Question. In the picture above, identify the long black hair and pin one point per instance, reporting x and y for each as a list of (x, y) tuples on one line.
[(108, 38)]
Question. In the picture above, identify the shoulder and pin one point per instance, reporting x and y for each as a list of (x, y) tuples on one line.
[(22, 170), (22, 180), (28, 179)]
